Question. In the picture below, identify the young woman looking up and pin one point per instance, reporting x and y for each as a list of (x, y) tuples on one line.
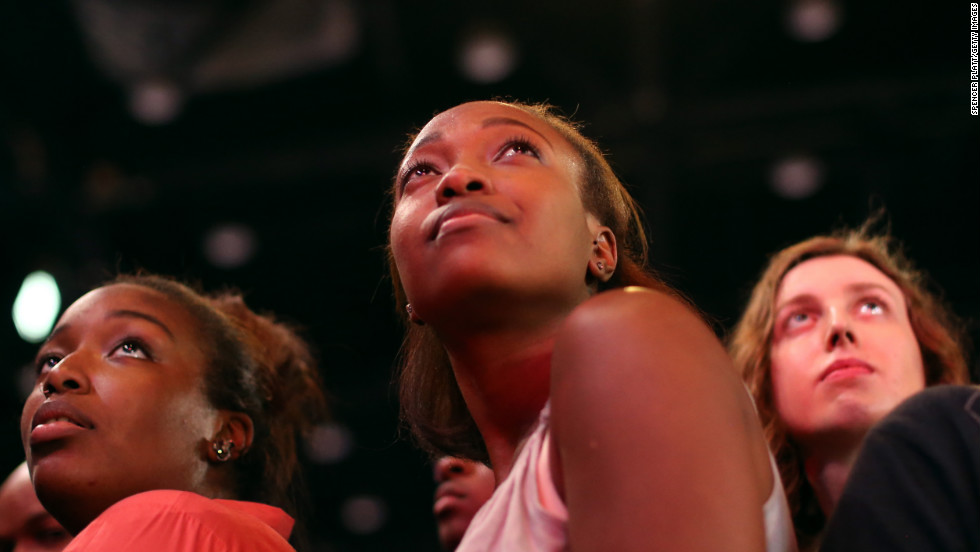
[(25, 526), (163, 419), (609, 412), (839, 330)]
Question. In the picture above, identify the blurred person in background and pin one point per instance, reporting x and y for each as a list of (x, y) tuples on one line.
[(25, 526), (463, 487), (839, 330)]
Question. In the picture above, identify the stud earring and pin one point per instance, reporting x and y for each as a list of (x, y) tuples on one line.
[(222, 449), (598, 265), (412, 316)]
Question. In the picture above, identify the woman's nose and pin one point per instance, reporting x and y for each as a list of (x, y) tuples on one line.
[(67, 376), (840, 331), (449, 467), (838, 338), (461, 181)]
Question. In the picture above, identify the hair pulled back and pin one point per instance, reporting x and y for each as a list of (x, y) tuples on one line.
[(432, 406), (258, 366)]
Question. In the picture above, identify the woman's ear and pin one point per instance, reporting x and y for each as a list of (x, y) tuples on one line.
[(602, 265), (233, 438)]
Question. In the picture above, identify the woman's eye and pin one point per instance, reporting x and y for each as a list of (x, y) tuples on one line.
[(519, 146), (47, 362), (523, 148), (872, 307), (132, 349), (797, 320), (418, 169)]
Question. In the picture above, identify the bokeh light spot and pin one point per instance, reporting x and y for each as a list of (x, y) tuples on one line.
[(36, 306)]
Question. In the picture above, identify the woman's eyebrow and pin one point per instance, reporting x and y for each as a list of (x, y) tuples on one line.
[(865, 287), (495, 121), (433, 137), (143, 316), (57, 330), (794, 301)]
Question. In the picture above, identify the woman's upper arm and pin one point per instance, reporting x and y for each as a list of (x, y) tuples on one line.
[(652, 449)]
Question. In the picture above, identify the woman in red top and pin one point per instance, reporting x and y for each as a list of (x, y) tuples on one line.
[(164, 419)]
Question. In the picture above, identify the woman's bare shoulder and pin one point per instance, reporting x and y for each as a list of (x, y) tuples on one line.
[(636, 372), (633, 322)]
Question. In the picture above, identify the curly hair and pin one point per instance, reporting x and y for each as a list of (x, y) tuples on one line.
[(261, 367), (432, 406), (939, 333)]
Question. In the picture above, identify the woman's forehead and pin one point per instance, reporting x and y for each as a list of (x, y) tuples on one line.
[(835, 272), (129, 297), (478, 115), (481, 109)]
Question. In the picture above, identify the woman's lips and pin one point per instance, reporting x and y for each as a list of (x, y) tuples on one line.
[(460, 211), (55, 420), (53, 431), (845, 368), (448, 495)]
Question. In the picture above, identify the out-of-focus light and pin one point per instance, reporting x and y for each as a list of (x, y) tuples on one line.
[(797, 177), (364, 514), (36, 306), (328, 443), (813, 20), (229, 246), (155, 102), (649, 104), (339, 30), (487, 56)]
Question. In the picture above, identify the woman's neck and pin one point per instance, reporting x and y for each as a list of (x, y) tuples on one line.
[(827, 471), (504, 376), (499, 343)]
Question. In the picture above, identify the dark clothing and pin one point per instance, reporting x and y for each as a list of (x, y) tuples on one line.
[(915, 485)]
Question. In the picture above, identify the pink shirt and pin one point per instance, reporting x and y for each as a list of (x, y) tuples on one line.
[(177, 521), (526, 512)]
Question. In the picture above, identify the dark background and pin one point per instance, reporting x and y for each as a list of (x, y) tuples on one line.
[(290, 116)]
